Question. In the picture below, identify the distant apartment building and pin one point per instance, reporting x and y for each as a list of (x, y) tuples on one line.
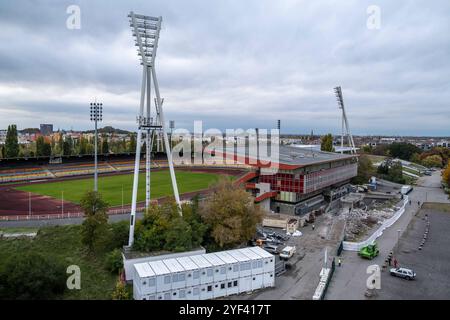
[(46, 129), (3, 136)]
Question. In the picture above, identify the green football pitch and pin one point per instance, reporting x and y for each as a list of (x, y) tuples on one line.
[(111, 187)]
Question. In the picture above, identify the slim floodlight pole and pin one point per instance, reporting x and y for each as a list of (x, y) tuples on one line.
[(96, 115)]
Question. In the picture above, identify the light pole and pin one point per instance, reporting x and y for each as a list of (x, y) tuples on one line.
[(96, 115)]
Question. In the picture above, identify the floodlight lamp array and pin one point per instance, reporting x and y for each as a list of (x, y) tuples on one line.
[(338, 93), (96, 111), (145, 30)]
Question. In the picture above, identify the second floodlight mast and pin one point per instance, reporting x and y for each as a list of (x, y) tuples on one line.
[(145, 31), (344, 122)]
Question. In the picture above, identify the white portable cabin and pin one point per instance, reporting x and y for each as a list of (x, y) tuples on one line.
[(232, 264), (257, 268), (257, 260), (163, 276), (245, 270), (175, 278), (144, 280), (177, 272), (220, 268), (245, 263), (192, 272), (268, 259), (205, 268)]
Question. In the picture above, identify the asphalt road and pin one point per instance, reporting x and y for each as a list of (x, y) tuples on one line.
[(349, 280), (431, 263)]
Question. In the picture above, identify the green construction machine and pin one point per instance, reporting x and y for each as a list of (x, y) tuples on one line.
[(370, 251)]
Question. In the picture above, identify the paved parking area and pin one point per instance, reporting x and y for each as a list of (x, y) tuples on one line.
[(432, 263)]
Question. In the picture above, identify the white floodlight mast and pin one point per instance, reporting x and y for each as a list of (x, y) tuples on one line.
[(146, 27), (344, 120)]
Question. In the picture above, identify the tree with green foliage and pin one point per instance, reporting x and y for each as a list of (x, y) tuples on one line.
[(95, 226), (114, 261), (326, 143), (83, 146), (12, 142), (416, 158), (231, 214), (162, 228), (403, 150), (105, 145), (432, 161), (120, 291), (132, 144), (365, 170), (43, 149), (392, 171), (31, 276), (67, 146)]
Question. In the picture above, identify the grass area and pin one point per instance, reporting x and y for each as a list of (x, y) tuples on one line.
[(64, 243), (111, 186), (18, 230), (375, 158), (413, 171)]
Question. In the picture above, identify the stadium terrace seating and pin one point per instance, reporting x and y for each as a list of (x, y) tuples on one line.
[(78, 169), (21, 174)]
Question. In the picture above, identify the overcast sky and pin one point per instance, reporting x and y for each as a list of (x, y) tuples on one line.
[(232, 64)]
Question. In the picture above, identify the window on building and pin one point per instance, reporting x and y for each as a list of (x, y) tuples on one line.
[(166, 279), (181, 277), (151, 282), (196, 274), (222, 286), (209, 272), (182, 294), (235, 283), (236, 268), (223, 270), (230, 284), (196, 291), (209, 288)]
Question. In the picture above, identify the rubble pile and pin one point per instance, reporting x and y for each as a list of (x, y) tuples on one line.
[(360, 221)]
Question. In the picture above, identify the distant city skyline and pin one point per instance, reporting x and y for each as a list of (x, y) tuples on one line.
[(232, 65)]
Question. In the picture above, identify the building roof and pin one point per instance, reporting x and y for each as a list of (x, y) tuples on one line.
[(173, 265), (288, 157), (159, 267), (187, 263), (214, 259), (200, 261), (238, 255), (260, 251), (144, 270), (251, 254), (226, 257)]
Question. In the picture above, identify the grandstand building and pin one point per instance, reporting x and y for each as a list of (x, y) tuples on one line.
[(305, 180)]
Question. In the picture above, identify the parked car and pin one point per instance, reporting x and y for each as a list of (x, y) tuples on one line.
[(403, 273)]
